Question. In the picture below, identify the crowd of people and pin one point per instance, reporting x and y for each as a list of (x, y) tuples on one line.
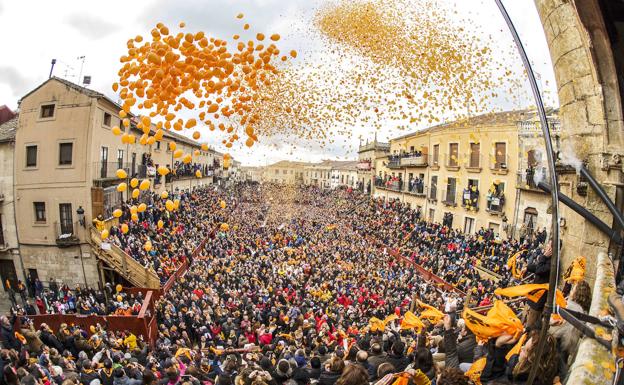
[(305, 286)]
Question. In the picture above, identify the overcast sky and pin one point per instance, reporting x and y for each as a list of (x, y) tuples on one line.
[(34, 32)]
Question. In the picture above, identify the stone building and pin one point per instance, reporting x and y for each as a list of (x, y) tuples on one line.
[(461, 173), (284, 172), (367, 154), (11, 267), (66, 161), (344, 174)]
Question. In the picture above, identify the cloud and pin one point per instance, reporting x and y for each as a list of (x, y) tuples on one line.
[(91, 26), (18, 83)]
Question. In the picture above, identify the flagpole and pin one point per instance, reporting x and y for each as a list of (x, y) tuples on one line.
[(554, 194)]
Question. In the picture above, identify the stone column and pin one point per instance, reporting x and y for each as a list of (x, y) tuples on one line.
[(590, 113)]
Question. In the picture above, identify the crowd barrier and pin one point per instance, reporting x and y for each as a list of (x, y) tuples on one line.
[(144, 324)]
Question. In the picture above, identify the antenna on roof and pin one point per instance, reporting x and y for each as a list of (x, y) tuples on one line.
[(52, 68), (82, 58)]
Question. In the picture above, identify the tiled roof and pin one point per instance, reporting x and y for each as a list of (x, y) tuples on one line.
[(7, 130)]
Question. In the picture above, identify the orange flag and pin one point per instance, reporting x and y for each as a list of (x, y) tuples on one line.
[(411, 321), (474, 373), (532, 291), (576, 271), (430, 313), (499, 320)]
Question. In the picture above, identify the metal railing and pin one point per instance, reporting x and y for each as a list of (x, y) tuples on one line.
[(470, 200), (499, 162), (65, 233), (496, 204), (449, 197), (108, 170), (414, 160), (416, 189)]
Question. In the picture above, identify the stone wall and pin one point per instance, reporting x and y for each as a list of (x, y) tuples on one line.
[(594, 364), (590, 113), (63, 264)]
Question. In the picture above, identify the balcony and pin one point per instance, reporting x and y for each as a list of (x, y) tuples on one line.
[(470, 200), (474, 163), (451, 162), (500, 164), (526, 180), (108, 170), (417, 189), (364, 165), (449, 198), (65, 234), (395, 185), (414, 161), (394, 162), (495, 204)]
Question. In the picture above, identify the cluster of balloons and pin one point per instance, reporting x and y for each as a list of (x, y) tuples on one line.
[(168, 73)]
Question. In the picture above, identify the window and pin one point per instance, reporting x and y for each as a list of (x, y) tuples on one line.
[(412, 149), (120, 158), (501, 155), (453, 155), (532, 158), (475, 155), (284, 172), (65, 154), (31, 156), (107, 119), (47, 111), (451, 186), (276, 172), (158, 145), (530, 218), (65, 216), (103, 162), (431, 215), (494, 227), (434, 188), (40, 211), (112, 200), (436, 153), (469, 225)]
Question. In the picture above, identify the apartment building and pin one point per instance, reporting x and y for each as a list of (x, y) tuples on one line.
[(11, 268), (367, 165), (66, 158), (462, 174), (284, 172), (344, 174)]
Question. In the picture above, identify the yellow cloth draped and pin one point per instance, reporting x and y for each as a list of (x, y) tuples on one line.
[(376, 324), (511, 265), (532, 291)]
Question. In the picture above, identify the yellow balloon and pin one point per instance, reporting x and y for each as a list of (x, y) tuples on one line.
[(142, 207), (124, 228), (119, 298), (204, 147), (145, 184), (177, 153), (176, 203), (118, 288), (162, 170), (224, 227), (134, 182), (169, 205), (104, 234), (222, 204), (172, 146), (117, 213), (196, 153), (116, 130), (187, 158), (147, 246), (160, 224), (136, 193), (164, 195), (198, 174), (133, 209), (135, 217), (125, 138), (121, 187), (131, 139), (122, 174), (151, 140)]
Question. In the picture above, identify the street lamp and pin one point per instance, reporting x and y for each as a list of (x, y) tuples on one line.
[(81, 217)]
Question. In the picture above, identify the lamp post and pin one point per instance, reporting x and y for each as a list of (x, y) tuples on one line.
[(81, 220)]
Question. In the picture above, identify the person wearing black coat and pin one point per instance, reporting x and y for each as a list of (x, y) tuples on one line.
[(314, 372), (50, 339), (540, 267), (331, 372), (397, 358)]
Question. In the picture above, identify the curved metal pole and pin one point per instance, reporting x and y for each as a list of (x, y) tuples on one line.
[(554, 193)]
